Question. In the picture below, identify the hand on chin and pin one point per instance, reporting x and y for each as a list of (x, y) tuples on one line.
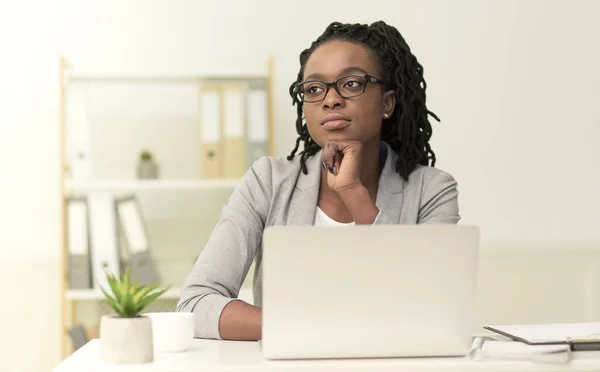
[(342, 163)]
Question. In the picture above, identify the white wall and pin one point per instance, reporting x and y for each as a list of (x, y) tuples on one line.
[(29, 186), (515, 83)]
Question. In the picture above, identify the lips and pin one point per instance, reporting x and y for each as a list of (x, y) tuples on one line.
[(335, 121)]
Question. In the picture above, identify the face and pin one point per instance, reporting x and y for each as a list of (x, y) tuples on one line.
[(337, 118)]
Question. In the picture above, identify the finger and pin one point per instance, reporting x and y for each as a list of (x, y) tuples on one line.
[(326, 158), (348, 147), (331, 150), (337, 163)]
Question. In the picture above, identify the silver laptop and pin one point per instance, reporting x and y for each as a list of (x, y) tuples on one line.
[(368, 291)]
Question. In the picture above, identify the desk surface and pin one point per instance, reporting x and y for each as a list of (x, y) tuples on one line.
[(217, 356)]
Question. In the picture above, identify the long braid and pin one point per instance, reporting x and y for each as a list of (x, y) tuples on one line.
[(408, 129)]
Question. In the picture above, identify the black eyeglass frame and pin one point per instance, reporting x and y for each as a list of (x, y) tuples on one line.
[(366, 77)]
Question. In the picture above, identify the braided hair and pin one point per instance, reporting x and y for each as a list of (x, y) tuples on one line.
[(407, 130)]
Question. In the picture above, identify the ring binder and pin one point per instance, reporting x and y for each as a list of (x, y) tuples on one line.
[(133, 228)]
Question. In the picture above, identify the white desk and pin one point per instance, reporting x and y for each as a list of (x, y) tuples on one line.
[(218, 356)]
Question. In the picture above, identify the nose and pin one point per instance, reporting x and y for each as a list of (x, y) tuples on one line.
[(332, 99)]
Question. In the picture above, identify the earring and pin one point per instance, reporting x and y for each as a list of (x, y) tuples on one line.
[(385, 116)]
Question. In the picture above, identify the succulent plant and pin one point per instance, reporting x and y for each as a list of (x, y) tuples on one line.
[(128, 299), (146, 155)]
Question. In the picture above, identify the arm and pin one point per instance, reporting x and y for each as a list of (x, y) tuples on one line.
[(439, 201), (241, 321), (360, 205), (211, 290)]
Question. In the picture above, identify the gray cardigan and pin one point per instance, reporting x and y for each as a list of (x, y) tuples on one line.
[(274, 191)]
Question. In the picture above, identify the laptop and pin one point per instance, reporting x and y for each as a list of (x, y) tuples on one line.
[(368, 291)]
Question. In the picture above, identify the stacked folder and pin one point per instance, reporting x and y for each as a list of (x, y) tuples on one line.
[(233, 128), (97, 223)]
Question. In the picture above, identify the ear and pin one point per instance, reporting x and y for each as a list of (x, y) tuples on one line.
[(389, 102)]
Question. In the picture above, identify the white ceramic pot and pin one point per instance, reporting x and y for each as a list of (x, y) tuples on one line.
[(147, 169), (126, 340)]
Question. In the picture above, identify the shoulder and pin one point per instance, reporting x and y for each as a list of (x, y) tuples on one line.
[(429, 174), (431, 180), (275, 165), (273, 170)]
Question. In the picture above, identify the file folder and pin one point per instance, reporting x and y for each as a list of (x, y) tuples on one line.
[(258, 125), (234, 113), (579, 336), (134, 231), (78, 259), (78, 336), (210, 132), (104, 238)]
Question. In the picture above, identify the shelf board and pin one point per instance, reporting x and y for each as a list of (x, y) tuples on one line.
[(171, 294), (107, 185), (166, 78), (94, 294)]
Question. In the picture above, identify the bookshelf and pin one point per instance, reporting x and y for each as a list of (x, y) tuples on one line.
[(84, 303), (171, 294), (95, 295), (133, 185)]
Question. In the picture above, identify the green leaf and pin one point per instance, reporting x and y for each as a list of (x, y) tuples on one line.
[(114, 285), (136, 285), (147, 300), (142, 293), (114, 304), (128, 303), (140, 288)]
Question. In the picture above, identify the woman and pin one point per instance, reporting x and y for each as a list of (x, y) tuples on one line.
[(362, 118)]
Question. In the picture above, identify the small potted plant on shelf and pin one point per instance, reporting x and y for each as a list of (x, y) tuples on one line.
[(147, 167), (127, 336)]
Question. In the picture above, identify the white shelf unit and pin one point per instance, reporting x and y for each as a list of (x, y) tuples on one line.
[(96, 295), (82, 76), (132, 185), (71, 299), (171, 294)]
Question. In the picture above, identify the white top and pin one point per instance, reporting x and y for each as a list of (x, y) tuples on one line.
[(322, 219), (215, 356)]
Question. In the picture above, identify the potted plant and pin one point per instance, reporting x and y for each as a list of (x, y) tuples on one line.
[(147, 167), (127, 336)]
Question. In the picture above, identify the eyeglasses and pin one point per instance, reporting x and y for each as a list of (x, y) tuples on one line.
[(347, 87)]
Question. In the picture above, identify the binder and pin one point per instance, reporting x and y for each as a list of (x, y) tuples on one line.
[(134, 231), (78, 259), (234, 152), (579, 336), (78, 336), (210, 132), (104, 245), (258, 125)]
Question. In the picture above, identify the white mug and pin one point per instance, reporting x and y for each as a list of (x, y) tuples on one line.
[(172, 332)]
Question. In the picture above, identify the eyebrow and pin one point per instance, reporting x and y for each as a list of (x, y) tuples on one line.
[(347, 70)]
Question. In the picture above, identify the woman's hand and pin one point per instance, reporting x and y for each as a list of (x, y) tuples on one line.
[(342, 160)]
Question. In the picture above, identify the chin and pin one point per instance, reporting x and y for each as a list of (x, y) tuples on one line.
[(339, 136)]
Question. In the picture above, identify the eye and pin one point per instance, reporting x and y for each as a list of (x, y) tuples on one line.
[(313, 89), (353, 84)]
